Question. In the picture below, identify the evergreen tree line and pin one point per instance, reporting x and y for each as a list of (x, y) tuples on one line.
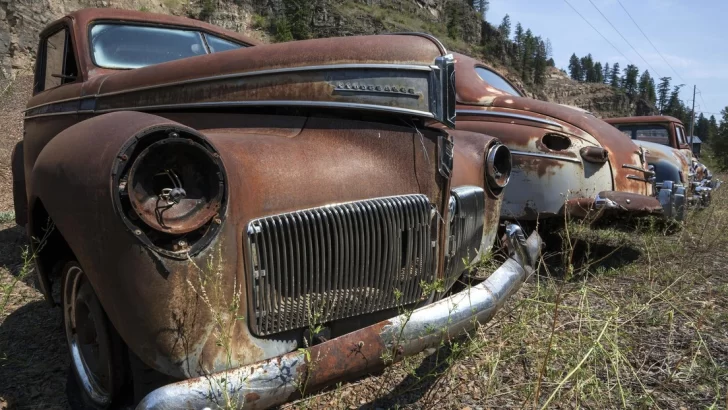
[(628, 80), (719, 138), (528, 54), (663, 95)]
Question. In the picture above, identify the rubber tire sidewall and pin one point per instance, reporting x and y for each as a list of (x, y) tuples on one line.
[(77, 398)]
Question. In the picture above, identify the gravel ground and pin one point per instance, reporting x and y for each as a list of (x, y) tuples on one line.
[(12, 103), (33, 355)]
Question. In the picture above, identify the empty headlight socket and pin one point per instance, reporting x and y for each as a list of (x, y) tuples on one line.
[(170, 190)]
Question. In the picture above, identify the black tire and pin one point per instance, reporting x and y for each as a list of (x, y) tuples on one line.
[(97, 375)]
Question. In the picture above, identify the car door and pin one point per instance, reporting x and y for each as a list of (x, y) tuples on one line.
[(55, 102)]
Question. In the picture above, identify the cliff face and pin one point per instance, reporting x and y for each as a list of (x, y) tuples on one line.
[(21, 20), (600, 99)]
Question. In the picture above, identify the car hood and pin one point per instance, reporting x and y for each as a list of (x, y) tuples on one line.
[(655, 151), (405, 74)]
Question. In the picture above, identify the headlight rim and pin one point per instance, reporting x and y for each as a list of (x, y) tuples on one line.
[(149, 236), (497, 173)]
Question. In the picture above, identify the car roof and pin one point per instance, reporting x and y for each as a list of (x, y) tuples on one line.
[(643, 119), (83, 17)]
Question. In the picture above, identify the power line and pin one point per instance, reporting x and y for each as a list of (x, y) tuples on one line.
[(648, 39), (625, 40), (595, 29)]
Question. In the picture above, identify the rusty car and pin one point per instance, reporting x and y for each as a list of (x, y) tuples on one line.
[(230, 224), (681, 180), (565, 160)]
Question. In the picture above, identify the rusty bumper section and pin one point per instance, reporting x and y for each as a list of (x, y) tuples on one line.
[(280, 379), (614, 203)]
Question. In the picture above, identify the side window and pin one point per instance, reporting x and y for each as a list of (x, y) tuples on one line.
[(59, 62), (652, 133), (54, 51), (218, 44), (680, 135)]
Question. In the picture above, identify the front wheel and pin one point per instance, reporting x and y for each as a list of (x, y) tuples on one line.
[(96, 374)]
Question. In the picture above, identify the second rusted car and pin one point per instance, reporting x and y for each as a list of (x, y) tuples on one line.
[(241, 227), (565, 159)]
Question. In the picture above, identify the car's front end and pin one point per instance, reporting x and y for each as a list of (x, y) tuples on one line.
[(565, 159), (260, 223)]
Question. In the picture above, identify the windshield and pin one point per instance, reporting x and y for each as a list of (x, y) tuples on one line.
[(495, 80), (650, 133), (131, 46)]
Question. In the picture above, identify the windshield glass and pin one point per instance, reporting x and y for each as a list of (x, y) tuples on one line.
[(218, 44), (131, 46), (495, 80)]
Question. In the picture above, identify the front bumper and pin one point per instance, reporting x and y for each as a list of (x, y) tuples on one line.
[(281, 379), (614, 203)]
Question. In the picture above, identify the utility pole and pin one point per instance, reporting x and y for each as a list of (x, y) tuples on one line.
[(692, 120)]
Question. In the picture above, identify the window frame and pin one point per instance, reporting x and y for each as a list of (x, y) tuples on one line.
[(42, 59), (518, 92), (679, 129), (201, 31)]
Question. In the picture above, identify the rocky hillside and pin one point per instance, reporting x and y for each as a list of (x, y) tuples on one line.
[(21, 20), (600, 99)]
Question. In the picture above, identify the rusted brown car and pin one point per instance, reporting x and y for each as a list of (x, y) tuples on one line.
[(236, 226), (680, 178), (564, 159)]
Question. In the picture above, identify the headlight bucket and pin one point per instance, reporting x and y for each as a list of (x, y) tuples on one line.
[(498, 166), (170, 190)]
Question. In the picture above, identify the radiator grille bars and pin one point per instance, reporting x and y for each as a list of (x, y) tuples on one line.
[(337, 261)]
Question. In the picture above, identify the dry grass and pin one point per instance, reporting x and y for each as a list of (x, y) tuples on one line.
[(630, 317)]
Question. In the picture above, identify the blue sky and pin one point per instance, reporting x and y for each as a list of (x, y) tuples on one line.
[(691, 35)]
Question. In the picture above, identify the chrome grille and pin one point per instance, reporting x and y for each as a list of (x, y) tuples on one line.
[(337, 261), (466, 230)]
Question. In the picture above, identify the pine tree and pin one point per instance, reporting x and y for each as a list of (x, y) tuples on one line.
[(651, 96), (702, 127), (629, 82), (454, 19), (643, 86), (607, 73), (575, 68), (663, 91), (712, 127), (675, 107), (587, 67), (527, 59), (539, 65), (549, 49), (505, 27), (614, 76), (719, 143), (299, 15), (481, 6), (518, 40), (598, 72)]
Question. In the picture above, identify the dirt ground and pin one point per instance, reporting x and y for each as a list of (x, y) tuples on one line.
[(619, 318)]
